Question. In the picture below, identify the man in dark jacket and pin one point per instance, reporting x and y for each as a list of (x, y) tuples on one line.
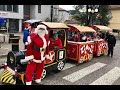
[(111, 43)]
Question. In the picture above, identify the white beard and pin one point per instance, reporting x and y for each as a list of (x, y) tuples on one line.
[(41, 33)]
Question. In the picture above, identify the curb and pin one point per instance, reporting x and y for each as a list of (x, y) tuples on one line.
[(3, 55)]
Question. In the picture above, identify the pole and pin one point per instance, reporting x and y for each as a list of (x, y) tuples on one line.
[(87, 23), (51, 13), (7, 23)]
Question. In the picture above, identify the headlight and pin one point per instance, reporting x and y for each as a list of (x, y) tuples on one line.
[(11, 59), (61, 55)]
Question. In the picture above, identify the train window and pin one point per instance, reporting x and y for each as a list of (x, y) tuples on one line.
[(50, 33), (70, 36), (61, 35)]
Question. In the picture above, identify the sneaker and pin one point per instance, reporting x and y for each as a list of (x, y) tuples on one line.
[(38, 81), (29, 83)]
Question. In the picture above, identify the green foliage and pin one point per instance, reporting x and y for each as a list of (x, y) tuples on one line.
[(105, 14), (49, 20), (72, 12), (102, 17)]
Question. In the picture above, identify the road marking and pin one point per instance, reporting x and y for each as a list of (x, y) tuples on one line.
[(68, 65), (85, 71), (109, 78)]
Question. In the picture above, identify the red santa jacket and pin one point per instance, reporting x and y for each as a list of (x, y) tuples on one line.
[(37, 42), (57, 43)]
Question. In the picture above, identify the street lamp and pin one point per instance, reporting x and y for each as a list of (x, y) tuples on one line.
[(51, 13), (90, 9), (93, 10)]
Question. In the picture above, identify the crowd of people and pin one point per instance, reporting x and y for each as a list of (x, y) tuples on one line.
[(86, 36)]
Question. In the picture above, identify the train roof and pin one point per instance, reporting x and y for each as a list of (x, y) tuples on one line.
[(102, 27), (54, 25), (32, 21), (82, 28)]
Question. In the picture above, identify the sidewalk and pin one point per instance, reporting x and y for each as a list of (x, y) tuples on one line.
[(6, 47)]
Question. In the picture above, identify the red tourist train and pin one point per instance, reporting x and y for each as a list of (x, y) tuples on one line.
[(80, 43)]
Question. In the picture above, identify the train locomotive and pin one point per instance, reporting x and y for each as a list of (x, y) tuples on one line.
[(14, 69)]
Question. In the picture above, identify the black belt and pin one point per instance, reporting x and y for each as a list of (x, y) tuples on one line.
[(38, 49)]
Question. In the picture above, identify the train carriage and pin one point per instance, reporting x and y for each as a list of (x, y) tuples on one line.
[(76, 49), (101, 46), (16, 69)]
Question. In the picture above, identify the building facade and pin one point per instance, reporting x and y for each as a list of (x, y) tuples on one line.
[(14, 15), (17, 14), (63, 15), (115, 21)]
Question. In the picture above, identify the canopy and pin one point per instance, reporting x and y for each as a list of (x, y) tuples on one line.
[(102, 28), (32, 21), (2, 19), (54, 25), (82, 28)]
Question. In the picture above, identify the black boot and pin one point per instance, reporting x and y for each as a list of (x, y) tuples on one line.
[(111, 56), (37, 83)]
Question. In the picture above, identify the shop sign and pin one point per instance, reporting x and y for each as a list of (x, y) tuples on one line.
[(3, 14)]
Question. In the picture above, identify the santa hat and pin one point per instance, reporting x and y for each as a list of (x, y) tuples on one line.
[(26, 25), (41, 26)]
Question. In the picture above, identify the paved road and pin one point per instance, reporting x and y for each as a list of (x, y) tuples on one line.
[(101, 70)]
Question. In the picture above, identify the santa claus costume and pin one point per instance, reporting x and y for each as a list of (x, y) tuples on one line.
[(36, 50)]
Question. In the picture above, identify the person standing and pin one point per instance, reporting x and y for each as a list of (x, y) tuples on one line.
[(37, 51), (111, 43), (26, 34)]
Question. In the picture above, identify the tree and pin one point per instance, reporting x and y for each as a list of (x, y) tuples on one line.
[(53, 20), (72, 12), (104, 14), (102, 17)]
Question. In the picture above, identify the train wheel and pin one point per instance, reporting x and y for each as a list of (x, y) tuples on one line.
[(43, 74), (90, 57), (99, 53), (81, 60), (105, 52), (60, 65)]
